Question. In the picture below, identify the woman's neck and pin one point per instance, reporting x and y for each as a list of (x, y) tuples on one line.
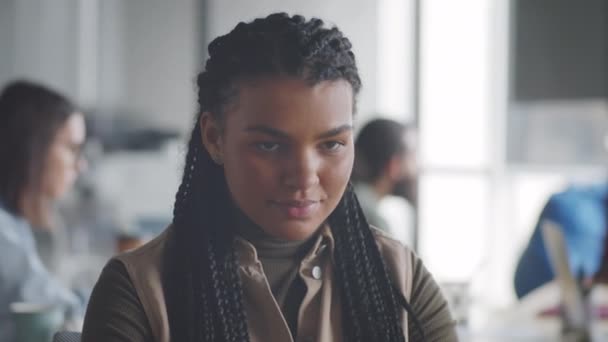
[(266, 244)]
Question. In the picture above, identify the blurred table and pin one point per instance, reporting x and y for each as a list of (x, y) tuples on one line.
[(523, 323)]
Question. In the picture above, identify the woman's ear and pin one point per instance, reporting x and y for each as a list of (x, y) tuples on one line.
[(211, 135)]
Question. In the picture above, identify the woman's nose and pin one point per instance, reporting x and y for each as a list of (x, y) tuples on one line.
[(301, 172)]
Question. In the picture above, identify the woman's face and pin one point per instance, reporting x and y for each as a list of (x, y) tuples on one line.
[(287, 151), (64, 162)]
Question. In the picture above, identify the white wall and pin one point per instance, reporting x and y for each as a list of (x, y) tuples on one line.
[(136, 56), (112, 91), (38, 42), (161, 61), (465, 195), (395, 60), (6, 39)]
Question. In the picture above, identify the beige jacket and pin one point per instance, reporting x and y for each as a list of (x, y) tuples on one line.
[(320, 312)]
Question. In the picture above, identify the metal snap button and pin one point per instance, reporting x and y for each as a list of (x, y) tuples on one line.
[(316, 272)]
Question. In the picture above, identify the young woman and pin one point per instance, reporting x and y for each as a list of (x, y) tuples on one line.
[(268, 241), (41, 134)]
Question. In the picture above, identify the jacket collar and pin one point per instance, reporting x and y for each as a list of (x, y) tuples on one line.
[(247, 254)]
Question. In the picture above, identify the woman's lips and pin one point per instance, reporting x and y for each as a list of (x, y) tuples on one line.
[(297, 209)]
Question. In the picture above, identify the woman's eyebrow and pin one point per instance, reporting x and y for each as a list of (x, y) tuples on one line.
[(335, 131), (267, 130), (280, 134)]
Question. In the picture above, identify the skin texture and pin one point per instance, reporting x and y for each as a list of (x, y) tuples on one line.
[(287, 151), (64, 162)]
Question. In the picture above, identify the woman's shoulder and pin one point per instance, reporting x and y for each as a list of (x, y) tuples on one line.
[(143, 267), (7, 218), (389, 243), (398, 258), (149, 255), (13, 229)]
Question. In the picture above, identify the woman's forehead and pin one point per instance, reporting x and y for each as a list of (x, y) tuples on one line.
[(290, 104)]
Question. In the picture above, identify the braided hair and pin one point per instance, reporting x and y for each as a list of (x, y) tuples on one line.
[(202, 288)]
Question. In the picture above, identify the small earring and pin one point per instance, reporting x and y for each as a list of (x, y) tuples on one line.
[(217, 159)]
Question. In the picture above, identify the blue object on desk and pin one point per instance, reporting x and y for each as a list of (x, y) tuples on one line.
[(581, 212)]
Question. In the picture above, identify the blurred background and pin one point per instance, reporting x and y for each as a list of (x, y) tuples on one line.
[(510, 99)]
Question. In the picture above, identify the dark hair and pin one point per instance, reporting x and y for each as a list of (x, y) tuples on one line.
[(202, 287), (30, 116), (378, 142)]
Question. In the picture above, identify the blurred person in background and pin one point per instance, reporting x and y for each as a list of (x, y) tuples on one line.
[(568, 250), (41, 135), (579, 213), (385, 164)]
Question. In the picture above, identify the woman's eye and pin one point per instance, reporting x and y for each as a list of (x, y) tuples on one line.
[(267, 146), (332, 145)]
